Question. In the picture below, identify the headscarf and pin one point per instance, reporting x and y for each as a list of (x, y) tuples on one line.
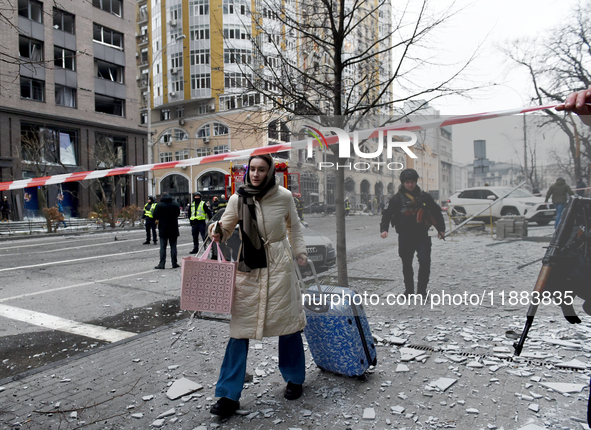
[(252, 255)]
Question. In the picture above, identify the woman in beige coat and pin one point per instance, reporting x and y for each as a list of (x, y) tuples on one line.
[(267, 300)]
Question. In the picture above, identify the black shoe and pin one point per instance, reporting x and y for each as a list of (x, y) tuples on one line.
[(225, 407), (159, 267), (175, 266), (147, 242), (155, 242), (293, 391), (194, 251)]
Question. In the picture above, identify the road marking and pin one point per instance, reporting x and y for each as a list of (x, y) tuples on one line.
[(94, 257), (69, 240), (74, 286), (62, 324)]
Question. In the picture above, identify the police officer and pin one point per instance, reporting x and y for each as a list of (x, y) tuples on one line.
[(299, 204), (218, 203), (149, 220), (412, 212), (199, 213), (347, 207)]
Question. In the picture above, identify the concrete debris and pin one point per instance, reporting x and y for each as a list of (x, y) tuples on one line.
[(472, 411), (147, 398), (576, 364), (565, 343), (306, 413), (158, 423), (532, 426), (475, 364), (252, 415), (408, 354), (242, 412), (402, 368), (182, 387), (502, 350), (564, 388), (168, 413), (173, 367), (534, 407), (443, 384), (74, 415), (137, 415), (394, 340), (369, 414), (398, 410)]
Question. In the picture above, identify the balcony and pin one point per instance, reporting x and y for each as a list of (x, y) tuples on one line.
[(142, 39)]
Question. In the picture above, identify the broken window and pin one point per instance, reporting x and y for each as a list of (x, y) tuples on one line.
[(64, 58), (31, 9), (30, 48), (32, 89), (107, 36), (65, 96), (109, 105), (63, 21), (111, 6), (108, 71)]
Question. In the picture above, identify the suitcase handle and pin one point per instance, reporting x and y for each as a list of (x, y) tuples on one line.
[(301, 278)]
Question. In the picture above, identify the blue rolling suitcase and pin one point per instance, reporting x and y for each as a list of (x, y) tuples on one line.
[(337, 330)]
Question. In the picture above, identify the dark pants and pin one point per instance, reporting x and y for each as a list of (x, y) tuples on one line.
[(173, 255), (151, 225), (406, 250), (5, 215), (198, 229), (292, 364)]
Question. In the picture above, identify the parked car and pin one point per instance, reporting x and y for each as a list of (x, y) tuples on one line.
[(320, 249), (318, 207), (520, 202)]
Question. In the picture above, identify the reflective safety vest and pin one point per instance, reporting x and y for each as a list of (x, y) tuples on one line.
[(347, 205), (200, 214), (149, 211)]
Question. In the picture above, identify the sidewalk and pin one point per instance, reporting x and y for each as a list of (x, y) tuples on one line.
[(124, 385)]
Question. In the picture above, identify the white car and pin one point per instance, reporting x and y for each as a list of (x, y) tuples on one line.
[(520, 202)]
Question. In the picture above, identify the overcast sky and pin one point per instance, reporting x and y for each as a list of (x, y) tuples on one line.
[(493, 23)]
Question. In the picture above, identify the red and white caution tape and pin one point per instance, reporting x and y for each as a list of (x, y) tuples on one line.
[(238, 155)]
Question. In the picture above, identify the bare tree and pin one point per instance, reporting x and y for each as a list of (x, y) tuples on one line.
[(557, 65), (328, 60)]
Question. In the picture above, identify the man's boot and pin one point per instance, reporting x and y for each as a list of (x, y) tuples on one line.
[(195, 250), (147, 242)]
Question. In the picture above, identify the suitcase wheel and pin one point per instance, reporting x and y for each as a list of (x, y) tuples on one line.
[(321, 368)]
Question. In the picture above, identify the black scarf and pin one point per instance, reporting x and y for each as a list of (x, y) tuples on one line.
[(252, 255)]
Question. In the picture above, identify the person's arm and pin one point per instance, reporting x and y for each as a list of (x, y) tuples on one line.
[(294, 233), (207, 211), (548, 194), (579, 102), (388, 216), (435, 210), (569, 190)]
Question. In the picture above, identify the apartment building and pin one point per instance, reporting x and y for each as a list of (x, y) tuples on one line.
[(69, 101)]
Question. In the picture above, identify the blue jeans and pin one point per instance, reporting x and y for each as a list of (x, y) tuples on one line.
[(292, 364), (559, 208)]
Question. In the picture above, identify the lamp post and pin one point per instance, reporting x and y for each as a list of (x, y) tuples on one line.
[(150, 143)]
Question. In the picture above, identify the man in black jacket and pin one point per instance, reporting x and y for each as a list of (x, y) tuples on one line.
[(167, 214), (412, 212)]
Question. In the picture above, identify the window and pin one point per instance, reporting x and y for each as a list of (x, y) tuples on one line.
[(181, 155), (235, 31), (108, 71), (199, 56), (228, 6), (165, 157), (31, 9), (178, 134), (200, 81), (198, 7), (144, 118), (32, 89), (107, 36), (110, 151), (180, 113), (48, 144), (469, 194), (237, 80), (63, 21), (112, 6), (109, 105), (30, 48), (63, 58), (219, 129), (164, 114), (221, 149), (203, 132), (202, 152), (200, 32), (65, 96), (237, 56)]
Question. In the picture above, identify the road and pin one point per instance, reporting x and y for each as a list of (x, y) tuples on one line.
[(63, 295)]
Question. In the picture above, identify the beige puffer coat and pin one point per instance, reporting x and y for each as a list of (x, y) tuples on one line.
[(267, 301)]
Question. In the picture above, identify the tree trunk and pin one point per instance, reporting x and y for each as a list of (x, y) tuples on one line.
[(343, 279)]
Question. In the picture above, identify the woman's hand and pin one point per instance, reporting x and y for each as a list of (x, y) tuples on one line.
[(302, 260), (216, 235)]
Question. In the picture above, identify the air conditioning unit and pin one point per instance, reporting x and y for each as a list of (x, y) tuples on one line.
[(174, 70), (181, 121), (172, 94), (138, 77), (172, 22), (206, 140), (169, 143), (184, 167), (211, 108)]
